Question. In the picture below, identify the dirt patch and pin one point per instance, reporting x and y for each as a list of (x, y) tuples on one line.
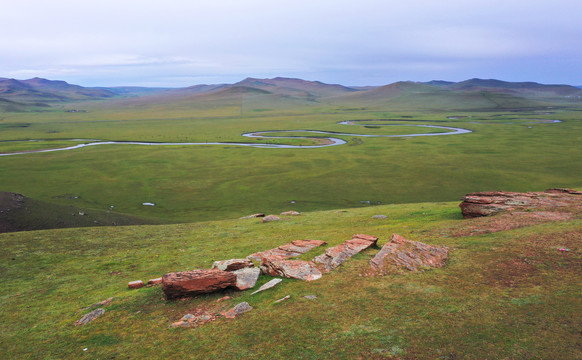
[(508, 221)]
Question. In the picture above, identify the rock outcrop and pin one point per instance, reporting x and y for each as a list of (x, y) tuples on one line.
[(292, 249), (491, 202), (232, 264), (402, 254), (190, 283), (293, 269), (335, 256)]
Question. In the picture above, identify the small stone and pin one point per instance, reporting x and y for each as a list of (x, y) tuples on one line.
[(283, 299), (270, 218), (205, 317), (138, 284), (310, 297), (90, 317), (238, 310), (187, 317), (292, 213), (268, 285), (155, 281), (223, 298), (180, 324), (379, 217)]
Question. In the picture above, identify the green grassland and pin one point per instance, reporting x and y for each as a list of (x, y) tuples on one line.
[(209, 182), (503, 295), (509, 295)]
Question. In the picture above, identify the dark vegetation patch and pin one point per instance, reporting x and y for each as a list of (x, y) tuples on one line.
[(19, 213)]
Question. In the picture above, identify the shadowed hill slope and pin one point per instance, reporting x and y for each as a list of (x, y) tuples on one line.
[(19, 213)]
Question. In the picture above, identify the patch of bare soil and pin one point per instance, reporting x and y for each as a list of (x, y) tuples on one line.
[(508, 221), (534, 256)]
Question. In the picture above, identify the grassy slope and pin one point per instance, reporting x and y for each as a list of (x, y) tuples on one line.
[(503, 295), (31, 214)]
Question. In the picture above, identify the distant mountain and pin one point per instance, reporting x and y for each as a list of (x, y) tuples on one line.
[(133, 90), (303, 89), (41, 92), (441, 83), (527, 89)]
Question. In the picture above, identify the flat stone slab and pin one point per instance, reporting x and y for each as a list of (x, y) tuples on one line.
[(337, 255), (292, 269), (402, 254), (232, 264), (190, 283), (292, 249), (270, 218), (268, 285), (246, 278), (87, 318)]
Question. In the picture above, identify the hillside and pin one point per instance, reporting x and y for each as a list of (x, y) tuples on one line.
[(39, 92), (506, 294), (20, 213)]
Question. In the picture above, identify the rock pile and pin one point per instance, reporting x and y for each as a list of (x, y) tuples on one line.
[(492, 202), (399, 254)]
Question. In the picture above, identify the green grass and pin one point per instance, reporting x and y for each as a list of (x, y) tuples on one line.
[(464, 310), (210, 182)]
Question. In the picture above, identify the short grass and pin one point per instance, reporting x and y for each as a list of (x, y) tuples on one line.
[(508, 295)]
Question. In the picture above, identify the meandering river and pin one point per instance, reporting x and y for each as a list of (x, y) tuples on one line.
[(328, 141)]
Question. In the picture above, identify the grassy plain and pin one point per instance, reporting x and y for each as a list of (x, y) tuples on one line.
[(503, 295), (191, 183)]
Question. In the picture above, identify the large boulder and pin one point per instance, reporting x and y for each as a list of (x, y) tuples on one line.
[(337, 255), (232, 264), (292, 249), (293, 269), (190, 283), (491, 202), (402, 254)]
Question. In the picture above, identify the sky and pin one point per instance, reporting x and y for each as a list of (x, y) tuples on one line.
[(178, 43)]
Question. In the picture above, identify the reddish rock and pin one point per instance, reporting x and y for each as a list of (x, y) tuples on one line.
[(189, 283), (155, 281), (270, 218), (292, 249), (253, 216), (239, 309), (292, 213), (335, 256), (491, 202), (224, 298), (400, 253), (246, 278), (138, 284), (233, 264), (293, 269)]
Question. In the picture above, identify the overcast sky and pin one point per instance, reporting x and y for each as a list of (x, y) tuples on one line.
[(361, 42)]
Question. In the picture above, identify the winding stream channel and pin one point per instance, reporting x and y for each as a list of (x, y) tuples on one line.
[(329, 141)]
